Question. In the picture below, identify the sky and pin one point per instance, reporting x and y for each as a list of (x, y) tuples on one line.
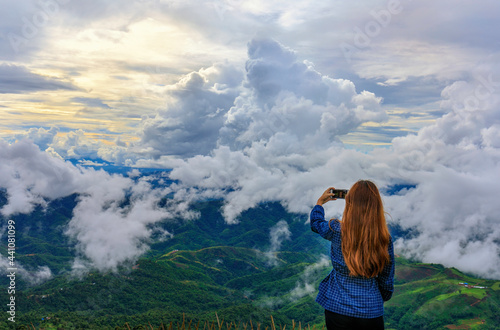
[(255, 101)]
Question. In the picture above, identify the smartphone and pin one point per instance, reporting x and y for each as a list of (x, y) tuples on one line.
[(339, 193)]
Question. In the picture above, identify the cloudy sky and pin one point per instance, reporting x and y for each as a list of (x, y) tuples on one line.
[(255, 101)]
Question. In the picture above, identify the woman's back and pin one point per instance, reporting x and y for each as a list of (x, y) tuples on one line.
[(343, 293)]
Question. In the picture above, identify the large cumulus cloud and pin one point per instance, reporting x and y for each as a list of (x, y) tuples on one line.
[(288, 96), (285, 122)]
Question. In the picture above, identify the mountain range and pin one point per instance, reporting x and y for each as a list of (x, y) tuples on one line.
[(269, 264)]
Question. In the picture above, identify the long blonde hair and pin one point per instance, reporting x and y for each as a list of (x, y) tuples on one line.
[(365, 236)]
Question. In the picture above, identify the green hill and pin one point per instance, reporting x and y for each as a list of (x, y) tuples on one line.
[(429, 296)]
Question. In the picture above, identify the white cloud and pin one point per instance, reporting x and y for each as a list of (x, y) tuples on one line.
[(285, 122), (277, 234), (309, 279), (287, 99), (115, 217), (75, 144), (190, 122), (30, 176), (32, 277), (220, 106), (18, 79), (453, 208), (111, 231), (41, 136)]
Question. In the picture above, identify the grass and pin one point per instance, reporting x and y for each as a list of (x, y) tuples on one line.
[(475, 323), (476, 293), (219, 325), (187, 324)]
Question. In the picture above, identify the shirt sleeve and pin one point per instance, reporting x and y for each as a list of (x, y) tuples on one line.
[(386, 277), (318, 223)]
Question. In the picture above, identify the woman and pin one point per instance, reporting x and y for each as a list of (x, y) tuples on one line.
[(362, 254)]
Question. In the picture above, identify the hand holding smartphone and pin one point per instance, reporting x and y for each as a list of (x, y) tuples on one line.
[(339, 193), (331, 194)]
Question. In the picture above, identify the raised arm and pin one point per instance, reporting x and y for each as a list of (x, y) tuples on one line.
[(317, 216)]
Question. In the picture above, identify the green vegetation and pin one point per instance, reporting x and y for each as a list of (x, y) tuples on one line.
[(433, 297), (210, 267), (240, 286)]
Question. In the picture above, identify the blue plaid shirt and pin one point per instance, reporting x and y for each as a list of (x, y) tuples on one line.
[(349, 295)]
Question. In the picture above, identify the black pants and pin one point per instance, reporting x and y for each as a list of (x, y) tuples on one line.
[(336, 321)]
